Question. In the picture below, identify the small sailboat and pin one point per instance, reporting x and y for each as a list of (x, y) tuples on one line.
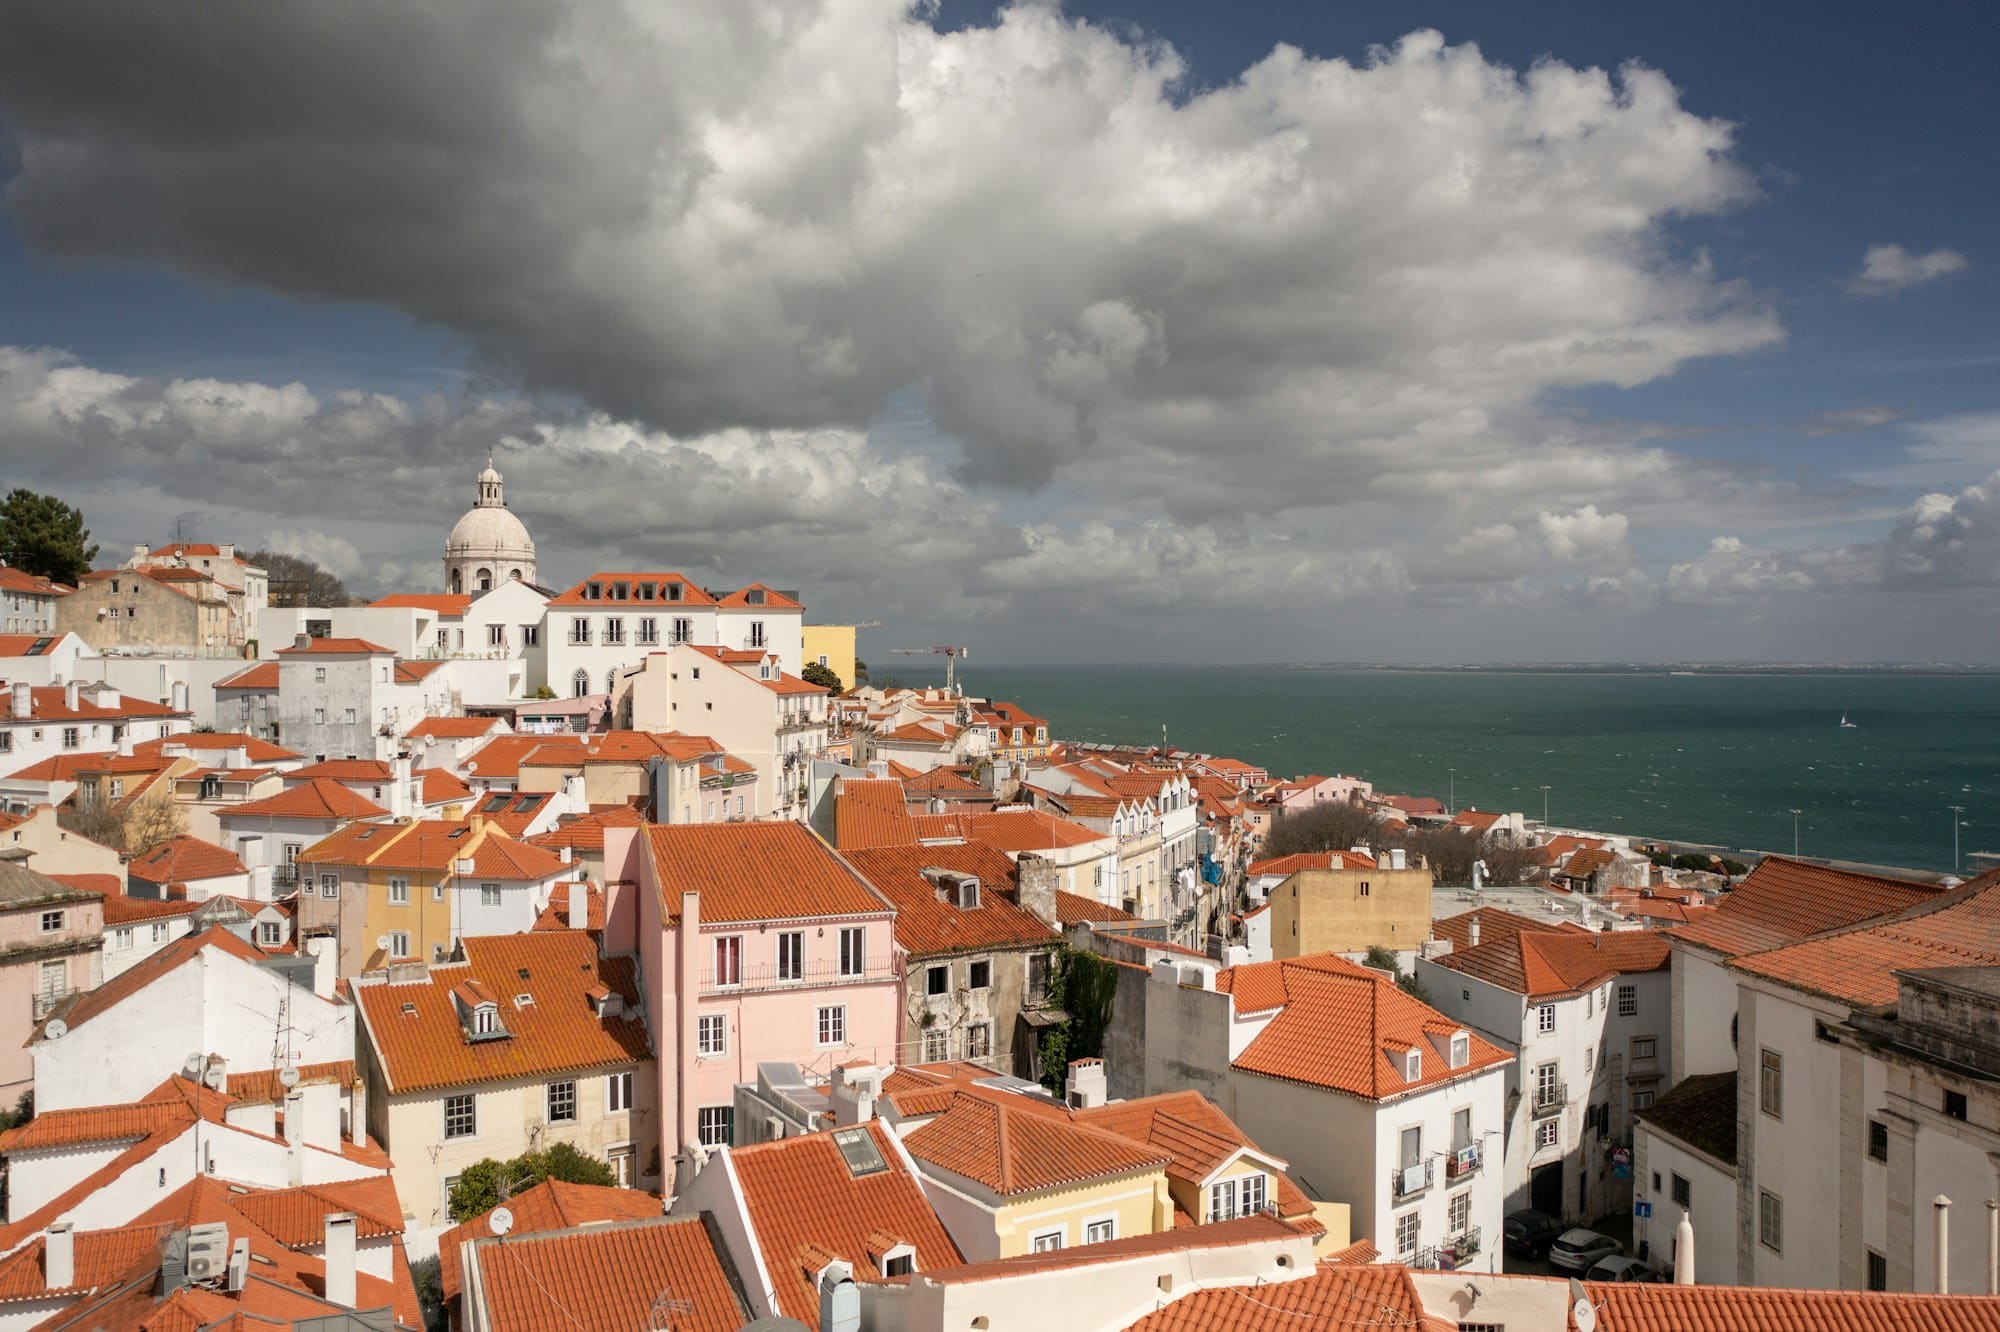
[(1845, 724)]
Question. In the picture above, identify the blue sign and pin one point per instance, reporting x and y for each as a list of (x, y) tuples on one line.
[(1642, 1208)]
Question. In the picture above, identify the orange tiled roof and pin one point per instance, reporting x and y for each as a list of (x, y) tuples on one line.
[(755, 871), (314, 798), (1494, 923), (1012, 1150), (501, 756), (48, 703), (926, 926), (19, 580), (586, 831), (1639, 1307), (555, 916), (1543, 965), (338, 647), (1012, 830), (1475, 819), (435, 845), (416, 1032), (444, 603), (871, 813), (25, 645), (610, 1277), (451, 728), (441, 786), (1586, 861), (1336, 1295), (1346, 1028), (1784, 900), (553, 1204), (773, 600), (259, 751), (98, 1257), (182, 859), (344, 770), (942, 780), (63, 767), (263, 1084), (1857, 964), (691, 592), (1219, 1235), (263, 676), (1076, 909), (122, 910), (799, 1195), (1311, 860), (296, 1217)]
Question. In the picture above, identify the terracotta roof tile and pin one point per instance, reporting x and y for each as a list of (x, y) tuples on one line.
[(500, 758), (185, 859), (612, 1277), (755, 871), (691, 593), (1638, 1307), (262, 677), (800, 1193), (337, 647), (441, 786), (296, 1218), (586, 831), (1784, 900), (451, 728), (773, 600), (926, 926), (1221, 1235), (1335, 1296), (555, 916), (416, 1031), (1076, 909), (1311, 860), (1494, 923), (264, 1084), (313, 798), (49, 703), (1544, 965), (553, 1204), (258, 751), (1013, 1151), (453, 604), (1012, 830), (98, 1258), (19, 580), (871, 813), (1346, 1028)]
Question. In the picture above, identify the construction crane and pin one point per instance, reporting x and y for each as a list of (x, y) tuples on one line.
[(950, 655)]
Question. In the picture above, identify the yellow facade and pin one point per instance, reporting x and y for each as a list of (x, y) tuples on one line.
[(423, 913), (1350, 911), (833, 646), (1136, 1204), (1194, 1198)]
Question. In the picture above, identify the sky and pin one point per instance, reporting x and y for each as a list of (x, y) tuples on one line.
[(1089, 333)]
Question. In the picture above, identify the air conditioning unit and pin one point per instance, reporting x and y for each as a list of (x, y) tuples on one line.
[(774, 1128), (208, 1252)]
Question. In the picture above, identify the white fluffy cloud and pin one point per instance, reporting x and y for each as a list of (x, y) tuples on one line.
[(1891, 268)]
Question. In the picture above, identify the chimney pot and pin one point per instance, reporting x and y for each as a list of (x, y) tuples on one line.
[(302, 642), (579, 906), (340, 1282), (59, 1256), (1472, 933), (24, 699), (71, 695)]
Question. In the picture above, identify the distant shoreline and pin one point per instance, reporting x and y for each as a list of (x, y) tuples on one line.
[(1528, 668)]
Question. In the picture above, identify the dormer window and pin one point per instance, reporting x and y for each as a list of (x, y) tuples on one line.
[(1413, 1065), (901, 1260), (593, 592), (754, 597), (1461, 1050), (673, 591), (485, 1019)]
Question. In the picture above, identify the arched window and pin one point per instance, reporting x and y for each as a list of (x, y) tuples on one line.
[(514, 574), (485, 580), (457, 582), (611, 681), (581, 683)]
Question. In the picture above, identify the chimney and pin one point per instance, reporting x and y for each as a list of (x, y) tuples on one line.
[(340, 1259), (1941, 1207), (1472, 932), (178, 695), (326, 962), (854, 1093), (107, 696), (1398, 858), (1684, 1252), (839, 1299), (139, 554), (1086, 1085), (295, 1136), (228, 549), (59, 1256), (357, 1113), (70, 696), (401, 787), (24, 699), (579, 906), (302, 642), (1037, 877)]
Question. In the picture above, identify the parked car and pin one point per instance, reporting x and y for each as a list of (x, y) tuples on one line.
[(1579, 1249), (1529, 1232), (1621, 1269)]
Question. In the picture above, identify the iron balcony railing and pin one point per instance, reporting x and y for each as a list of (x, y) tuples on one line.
[(1462, 1163), (283, 876), (771, 976), (1408, 1181), (1550, 1099), (1451, 1255)]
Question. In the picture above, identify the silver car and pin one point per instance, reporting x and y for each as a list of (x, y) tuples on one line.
[(1579, 1249), (1621, 1269)]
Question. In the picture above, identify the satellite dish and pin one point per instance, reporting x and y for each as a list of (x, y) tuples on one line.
[(288, 1077), (382, 942), (500, 1220), (56, 1029), (1584, 1314), (191, 1066)]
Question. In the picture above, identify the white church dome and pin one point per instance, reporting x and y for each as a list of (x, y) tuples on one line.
[(489, 546)]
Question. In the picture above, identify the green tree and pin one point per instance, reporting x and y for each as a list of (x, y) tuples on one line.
[(1382, 959), (295, 580), (486, 1184), (1332, 826), (823, 676), (1083, 985), (41, 535), (428, 1277)]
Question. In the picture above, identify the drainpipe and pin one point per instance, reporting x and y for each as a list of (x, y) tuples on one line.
[(1992, 1247)]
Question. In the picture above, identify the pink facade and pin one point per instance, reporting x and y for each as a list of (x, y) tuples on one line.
[(842, 1005), (1318, 790), (51, 945)]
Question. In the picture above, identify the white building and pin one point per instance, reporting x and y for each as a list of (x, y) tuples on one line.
[(1374, 1099), (40, 658), (47, 721), (610, 622), (27, 602), (1587, 1015)]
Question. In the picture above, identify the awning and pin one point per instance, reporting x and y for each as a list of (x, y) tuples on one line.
[(1043, 1017)]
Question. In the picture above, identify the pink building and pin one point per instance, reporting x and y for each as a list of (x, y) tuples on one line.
[(1302, 793), (760, 945), (51, 944)]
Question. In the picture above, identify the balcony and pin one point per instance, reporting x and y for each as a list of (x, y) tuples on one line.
[(284, 876), (1462, 1164), (1409, 1181), (1451, 1255), (767, 976), (1549, 1100), (579, 636)]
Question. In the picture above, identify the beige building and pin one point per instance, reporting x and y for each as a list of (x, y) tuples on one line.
[(832, 646), (519, 1042), (50, 848), (180, 611), (1349, 911)]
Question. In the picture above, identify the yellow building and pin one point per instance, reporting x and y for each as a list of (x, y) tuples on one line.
[(1351, 910), (832, 646), (389, 891)]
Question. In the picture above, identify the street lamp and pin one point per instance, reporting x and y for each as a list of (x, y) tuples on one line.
[(1956, 810), (1545, 807), (1795, 832)]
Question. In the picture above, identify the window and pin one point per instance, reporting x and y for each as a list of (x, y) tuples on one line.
[(269, 933), (319, 716), (1461, 1050), (1954, 1102), (51, 920), (329, 885), (1046, 1242), (1458, 1213), (1590, 1004), (1545, 1018), (979, 975), (1589, 1059), (833, 1025), (319, 675), (1363, 890), (1250, 1194), (1642, 1100), (118, 787), (683, 629), (460, 1119), (1878, 1140), (1642, 1048), (72, 737), (349, 717), (620, 1161), (1878, 1271), (729, 960), (1771, 1084), (712, 1125), (850, 951), (121, 938), (485, 1020), (901, 1265), (1770, 1221), (1413, 1065), (792, 955), (399, 944), (531, 636), (756, 633), (979, 1041), (618, 1092), (937, 1045), (399, 892), (1406, 1235), (1546, 1133), (437, 891), (562, 1102), (1548, 1083), (1100, 1232), (1628, 1001), (489, 894), (937, 980), (649, 630), (159, 931), (1038, 977), (1222, 1200), (711, 1034)]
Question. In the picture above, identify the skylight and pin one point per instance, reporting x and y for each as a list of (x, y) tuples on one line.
[(857, 1148)]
